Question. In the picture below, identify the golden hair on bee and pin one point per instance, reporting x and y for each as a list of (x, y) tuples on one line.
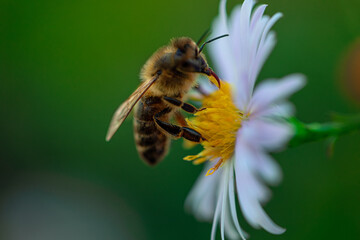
[(166, 77)]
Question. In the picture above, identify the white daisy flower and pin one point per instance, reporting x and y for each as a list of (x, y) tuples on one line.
[(241, 125)]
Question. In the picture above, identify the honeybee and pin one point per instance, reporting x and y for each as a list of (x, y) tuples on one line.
[(166, 77)]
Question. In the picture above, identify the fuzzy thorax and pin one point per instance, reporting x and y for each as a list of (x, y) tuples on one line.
[(218, 123)]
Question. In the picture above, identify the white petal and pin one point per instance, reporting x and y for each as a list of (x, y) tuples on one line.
[(201, 200), (283, 110), (266, 44), (221, 55), (249, 203), (248, 155), (270, 92), (251, 44), (239, 58), (217, 213), (268, 168), (232, 206), (194, 95), (268, 134), (220, 51), (224, 188), (239, 28), (205, 86), (258, 13), (230, 229), (240, 42), (258, 161), (229, 225)]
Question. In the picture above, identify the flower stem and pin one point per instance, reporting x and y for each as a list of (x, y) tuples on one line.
[(305, 133)]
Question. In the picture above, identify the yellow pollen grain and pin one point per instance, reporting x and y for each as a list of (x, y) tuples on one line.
[(218, 123)]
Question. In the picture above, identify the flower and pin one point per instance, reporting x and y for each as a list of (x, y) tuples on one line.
[(241, 125)]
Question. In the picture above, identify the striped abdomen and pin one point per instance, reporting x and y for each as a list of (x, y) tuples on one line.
[(151, 144)]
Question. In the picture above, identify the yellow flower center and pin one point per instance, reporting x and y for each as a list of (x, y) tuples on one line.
[(218, 123)]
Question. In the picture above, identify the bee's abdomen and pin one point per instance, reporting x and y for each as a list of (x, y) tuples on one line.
[(151, 143)]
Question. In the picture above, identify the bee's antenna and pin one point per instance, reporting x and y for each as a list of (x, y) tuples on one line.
[(203, 36), (211, 40)]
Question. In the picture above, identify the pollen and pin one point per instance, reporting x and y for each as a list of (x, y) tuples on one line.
[(218, 123)]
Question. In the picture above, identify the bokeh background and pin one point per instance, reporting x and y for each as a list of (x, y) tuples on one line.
[(66, 65)]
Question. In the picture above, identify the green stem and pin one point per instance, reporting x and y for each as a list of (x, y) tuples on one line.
[(305, 133)]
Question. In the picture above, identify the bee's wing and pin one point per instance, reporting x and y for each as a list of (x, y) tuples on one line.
[(123, 111)]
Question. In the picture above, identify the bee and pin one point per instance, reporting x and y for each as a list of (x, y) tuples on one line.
[(166, 77)]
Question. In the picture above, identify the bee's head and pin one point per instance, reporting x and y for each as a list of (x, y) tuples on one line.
[(188, 56)]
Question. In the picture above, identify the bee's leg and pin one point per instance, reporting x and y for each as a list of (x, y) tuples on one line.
[(184, 106), (177, 131)]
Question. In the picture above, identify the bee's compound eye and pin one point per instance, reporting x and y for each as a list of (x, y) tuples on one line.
[(179, 52)]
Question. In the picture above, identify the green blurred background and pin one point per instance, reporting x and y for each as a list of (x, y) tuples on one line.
[(66, 65)]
